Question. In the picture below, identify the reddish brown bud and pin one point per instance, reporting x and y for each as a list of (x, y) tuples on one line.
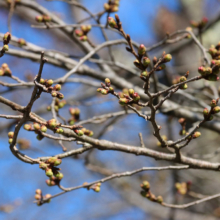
[(83, 38), (6, 38), (136, 97), (79, 33)]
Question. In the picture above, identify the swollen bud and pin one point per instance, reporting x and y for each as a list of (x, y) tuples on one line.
[(52, 123), (83, 38), (5, 47), (36, 126), (184, 86), (145, 185), (27, 127), (123, 101), (11, 134), (136, 97), (49, 172), (43, 166), (57, 162), (142, 50), (196, 134), (43, 128), (213, 103), (216, 109), (112, 22), (107, 82), (59, 176), (160, 199), (57, 87), (39, 18), (182, 79), (167, 58), (205, 112), (131, 92), (146, 61), (145, 74)]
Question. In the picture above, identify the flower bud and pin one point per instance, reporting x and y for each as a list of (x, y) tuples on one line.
[(167, 58), (107, 82), (216, 109), (11, 134), (145, 185), (10, 140), (104, 92), (201, 70), (39, 137), (46, 18), (111, 89), (145, 74), (52, 123), (5, 47), (123, 101), (37, 197), (79, 132), (57, 162), (60, 96), (83, 38), (182, 121), (50, 182), (194, 24), (131, 92), (54, 94), (146, 61), (39, 18), (208, 71), (43, 128), (43, 166), (114, 8), (213, 103), (7, 72), (182, 79), (136, 97), (27, 127), (112, 22), (161, 67), (205, 112), (154, 60), (142, 50), (36, 126), (160, 199), (59, 176), (196, 134), (22, 42), (1, 72), (97, 189), (79, 33), (42, 81), (47, 196), (49, 172), (59, 131), (38, 191), (57, 87), (106, 7), (184, 86)]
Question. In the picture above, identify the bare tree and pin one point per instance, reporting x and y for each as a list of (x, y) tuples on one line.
[(175, 102)]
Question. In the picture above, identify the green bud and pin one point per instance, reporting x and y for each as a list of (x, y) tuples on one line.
[(43, 166), (39, 18), (184, 86), (27, 127), (60, 96), (10, 140), (104, 92), (57, 162), (42, 81), (123, 101), (11, 134), (5, 47), (213, 103), (161, 67), (43, 128), (142, 50), (205, 112), (131, 92), (83, 38), (52, 123), (216, 109), (145, 185), (49, 172), (145, 74), (47, 196), (136, 97), (59, 131), (112, 23), (36, 126), (59, 176), (146, 61), (107, 82), (47, 18), (97, 189), (57, 87), (160, 199), (196, 134), (79, 132), (182, 79), (167, 58), (49, 82)]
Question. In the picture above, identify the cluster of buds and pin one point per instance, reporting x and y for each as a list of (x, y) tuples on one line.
[(106, 88), (208, 114), (148, 194), (96, 187), (182, 122), (5, 70), (58, 105), (22, 42), (199, 24), (87, 132), (164, 137), (183, 188), (75, 115), (6, 40), (210, 73), (53, 90), (111, 6), (82, 33), (195, 135), (51, 170), (10, 136), (37, 128), (39, 197), (43, 18), (131, 97)]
